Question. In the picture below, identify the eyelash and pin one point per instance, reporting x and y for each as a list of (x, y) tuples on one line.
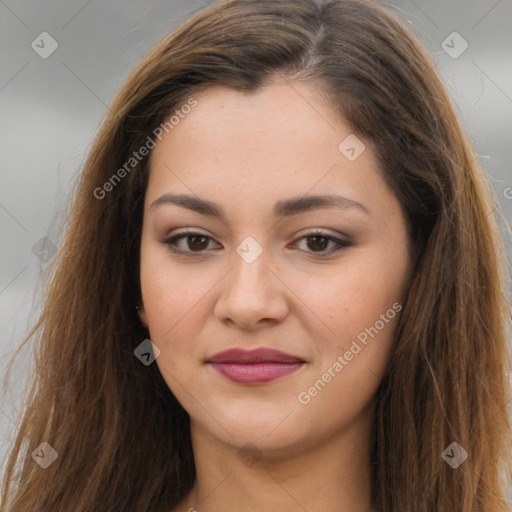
[(170, 242)]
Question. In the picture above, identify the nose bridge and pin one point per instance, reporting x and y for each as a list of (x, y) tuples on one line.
[(251, 292), (250, 267)]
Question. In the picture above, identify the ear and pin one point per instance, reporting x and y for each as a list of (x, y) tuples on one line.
[(142, 316)]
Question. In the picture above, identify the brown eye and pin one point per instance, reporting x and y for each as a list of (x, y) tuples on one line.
[(318, 242), (196, 243)]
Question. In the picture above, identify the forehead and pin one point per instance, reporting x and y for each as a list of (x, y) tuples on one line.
[(281, 119), (280, 141)]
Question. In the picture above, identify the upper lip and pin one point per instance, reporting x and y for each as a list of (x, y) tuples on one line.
[(258, 355)]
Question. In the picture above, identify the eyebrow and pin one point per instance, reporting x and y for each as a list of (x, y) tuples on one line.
[(284, 208)]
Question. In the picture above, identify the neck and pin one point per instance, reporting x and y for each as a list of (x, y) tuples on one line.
[(332, 476)]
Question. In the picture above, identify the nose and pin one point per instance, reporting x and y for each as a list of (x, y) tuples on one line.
[(253, 294)]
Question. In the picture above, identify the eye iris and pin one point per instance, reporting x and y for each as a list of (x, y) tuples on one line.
[(316, 239), (202, 245)]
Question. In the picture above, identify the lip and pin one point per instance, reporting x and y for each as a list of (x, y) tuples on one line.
[(258, 355), (254, 366)]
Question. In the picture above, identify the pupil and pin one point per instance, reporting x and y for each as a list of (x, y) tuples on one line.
[(316, 238), (195, 238)]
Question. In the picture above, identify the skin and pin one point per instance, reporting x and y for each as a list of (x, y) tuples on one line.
[(246, 152)]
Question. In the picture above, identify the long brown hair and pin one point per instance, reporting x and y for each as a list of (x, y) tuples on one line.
[(121, 437)]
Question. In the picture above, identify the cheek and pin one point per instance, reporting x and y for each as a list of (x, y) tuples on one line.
[(170, 297), (172, 304), (353, 296), (356, 303), (352, 359)]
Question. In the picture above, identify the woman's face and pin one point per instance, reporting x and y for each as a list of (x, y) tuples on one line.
[(238, 169)]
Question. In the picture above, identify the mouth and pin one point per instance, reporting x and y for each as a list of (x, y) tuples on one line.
[(255, 366)]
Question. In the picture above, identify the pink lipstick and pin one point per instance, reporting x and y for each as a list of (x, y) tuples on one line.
[(254, 366)]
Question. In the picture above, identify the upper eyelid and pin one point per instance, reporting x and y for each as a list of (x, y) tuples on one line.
[(187, 234), (190, 233)]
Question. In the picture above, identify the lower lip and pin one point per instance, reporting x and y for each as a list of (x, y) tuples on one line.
[(255, 373)]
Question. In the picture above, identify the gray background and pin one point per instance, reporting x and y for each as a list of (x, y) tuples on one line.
[(51, 109)]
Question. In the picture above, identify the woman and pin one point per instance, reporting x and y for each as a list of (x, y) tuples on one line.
[(281, 286)]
